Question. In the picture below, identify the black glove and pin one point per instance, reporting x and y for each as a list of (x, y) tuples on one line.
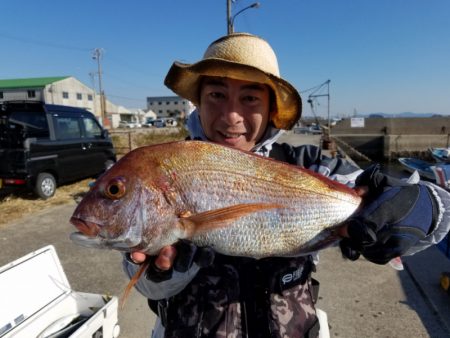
[(394, 216), (187, 254)]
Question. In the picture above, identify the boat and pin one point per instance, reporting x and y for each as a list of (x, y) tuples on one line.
[(424, 169), (440, 154), (442, 175), (435, 172)]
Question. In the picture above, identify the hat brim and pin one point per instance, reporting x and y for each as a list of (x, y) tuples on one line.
[(184, 79)]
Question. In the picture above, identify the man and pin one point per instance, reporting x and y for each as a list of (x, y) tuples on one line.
[(243, 102)]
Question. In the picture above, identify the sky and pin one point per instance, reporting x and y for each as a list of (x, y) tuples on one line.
[(389, 56)]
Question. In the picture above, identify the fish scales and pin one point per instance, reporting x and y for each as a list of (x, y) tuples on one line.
[(195, 177), (241, 178)]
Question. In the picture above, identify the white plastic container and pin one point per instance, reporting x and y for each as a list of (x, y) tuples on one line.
[(36, 301)]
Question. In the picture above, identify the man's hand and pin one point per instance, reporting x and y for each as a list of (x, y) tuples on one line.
[(179, 257), (394, 216), (164, 260)]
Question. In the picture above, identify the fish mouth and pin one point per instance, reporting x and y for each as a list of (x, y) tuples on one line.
[(87, 228), (90, 236), (101, 243)]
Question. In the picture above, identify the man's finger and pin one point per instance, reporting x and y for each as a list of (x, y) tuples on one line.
[(342, 231), (362, 190), (138, 257), (166, 257)]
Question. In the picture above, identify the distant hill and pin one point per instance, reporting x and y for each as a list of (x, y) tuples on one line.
[(404, 114), (386, 115)]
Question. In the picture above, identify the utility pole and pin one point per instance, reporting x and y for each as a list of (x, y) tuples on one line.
[(92, 75), (97, 55), (329, 119), (229, 30)]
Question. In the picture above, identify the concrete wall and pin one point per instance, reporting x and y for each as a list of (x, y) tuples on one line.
[(396, 146), (396, 126), (370, 145), (390, 138), (380, 147)]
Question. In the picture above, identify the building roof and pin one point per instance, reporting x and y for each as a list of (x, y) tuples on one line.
[(164, 98), (36, 82)]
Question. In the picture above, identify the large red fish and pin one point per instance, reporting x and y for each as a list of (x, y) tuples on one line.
[(236, 202)]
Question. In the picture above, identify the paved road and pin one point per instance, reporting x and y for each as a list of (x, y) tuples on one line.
[(367, 300), (360, 298), (88, 270)]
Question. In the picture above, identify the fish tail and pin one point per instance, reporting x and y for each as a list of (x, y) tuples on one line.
[(133, 282)]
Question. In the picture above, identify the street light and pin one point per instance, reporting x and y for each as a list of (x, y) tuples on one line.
[(232, 18)]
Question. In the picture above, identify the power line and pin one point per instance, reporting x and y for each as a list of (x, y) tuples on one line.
[(126, 98), (312, 88), (313, 97), (44, 43), (118, 61), (123, 81)]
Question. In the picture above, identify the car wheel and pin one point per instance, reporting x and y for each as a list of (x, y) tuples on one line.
[(108, 164), (45, 185)]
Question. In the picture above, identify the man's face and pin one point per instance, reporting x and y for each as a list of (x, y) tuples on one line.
[(234, 112)]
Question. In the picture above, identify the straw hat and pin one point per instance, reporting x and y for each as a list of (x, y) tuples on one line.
[(239, 56)]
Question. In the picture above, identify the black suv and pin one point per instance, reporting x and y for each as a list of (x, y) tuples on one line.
[(42, 146)]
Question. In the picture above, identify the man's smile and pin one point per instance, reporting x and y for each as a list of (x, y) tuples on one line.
[(231, 134)]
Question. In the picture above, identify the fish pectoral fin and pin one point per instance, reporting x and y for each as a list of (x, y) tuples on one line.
[(222, 217), (133, 282)]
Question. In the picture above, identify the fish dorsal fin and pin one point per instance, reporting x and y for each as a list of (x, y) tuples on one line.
[(222, 217)]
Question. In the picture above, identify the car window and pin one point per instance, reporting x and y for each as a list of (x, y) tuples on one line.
[(67, 128), (35, 122), (92, 128)]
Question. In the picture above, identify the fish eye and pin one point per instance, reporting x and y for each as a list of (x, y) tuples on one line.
[(115, 189)]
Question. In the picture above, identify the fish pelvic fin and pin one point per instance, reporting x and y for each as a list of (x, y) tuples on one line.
[(133, 282), (219, 218)]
